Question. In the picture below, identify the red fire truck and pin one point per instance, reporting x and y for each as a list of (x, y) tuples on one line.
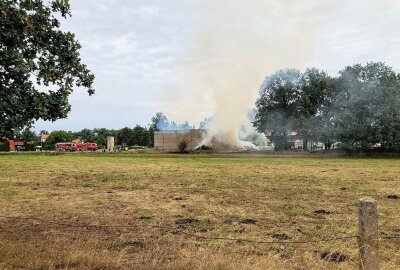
[(86, 146), (65, 147), (16, 146), (69, 146), (91, 146)]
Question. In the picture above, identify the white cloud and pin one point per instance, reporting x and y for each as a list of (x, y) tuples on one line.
[(132, 46), (149, 12)]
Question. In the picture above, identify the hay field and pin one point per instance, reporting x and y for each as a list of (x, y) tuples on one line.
[(147, 208)]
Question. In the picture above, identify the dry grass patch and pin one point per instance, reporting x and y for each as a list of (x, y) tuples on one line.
[(257, 197)]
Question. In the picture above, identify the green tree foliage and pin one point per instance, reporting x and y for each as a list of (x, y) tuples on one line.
[(4, 146), (160, 122), (86, 135), (101, 135), (27, 135), (140, 136), (360, 109), (150, 138), (367, 107), (182, 147), (137, 136), (317, 90), (59, 136), (39, 63), (29, 146), (125, 136), (278, 106)]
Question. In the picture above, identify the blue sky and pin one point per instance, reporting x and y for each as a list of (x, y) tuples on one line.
[(135, 48)]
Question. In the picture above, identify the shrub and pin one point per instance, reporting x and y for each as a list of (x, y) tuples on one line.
[(204, 148), (5, 147), (29, 147), (182, 147)]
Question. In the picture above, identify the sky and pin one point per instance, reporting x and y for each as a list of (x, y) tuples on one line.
[(145, 54)]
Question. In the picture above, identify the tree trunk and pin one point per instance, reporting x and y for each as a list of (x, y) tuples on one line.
[(305, 144)]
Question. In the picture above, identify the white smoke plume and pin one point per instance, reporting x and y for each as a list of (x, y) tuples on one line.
[(235, 44)]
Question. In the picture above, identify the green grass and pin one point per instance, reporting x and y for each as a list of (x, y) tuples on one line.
[(217, 191)]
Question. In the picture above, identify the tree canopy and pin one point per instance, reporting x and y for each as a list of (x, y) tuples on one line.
[(367, 106), (59, 136), (39, 63), (160, 122), (360, 108)]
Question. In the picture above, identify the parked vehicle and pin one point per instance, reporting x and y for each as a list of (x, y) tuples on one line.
[(16, 146), (120, 148), (65, 147), (91, 146), (76, 147)]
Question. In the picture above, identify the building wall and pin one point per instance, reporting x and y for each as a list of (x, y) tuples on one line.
[(169, 140)]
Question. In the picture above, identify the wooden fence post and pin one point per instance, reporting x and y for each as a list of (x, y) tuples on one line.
[(368, 233)]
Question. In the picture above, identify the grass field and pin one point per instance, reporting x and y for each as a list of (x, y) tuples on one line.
[(162, 197)]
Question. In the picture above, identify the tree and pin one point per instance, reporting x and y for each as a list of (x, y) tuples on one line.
[(39, 63), (101, 135), (86, 135), (28, 135), (159, 122), (125, 136), (4, 146), (277, 106), (59, 136), (360, 109), (317, 89), (367, 106), (140, 136), (182, 146), (150, 142)]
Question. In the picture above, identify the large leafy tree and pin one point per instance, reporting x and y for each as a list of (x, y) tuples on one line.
[(39, 63), (86, 135), (277, 106), (125, 136), (27, 135), (59, 136), (292, 102), (159, 121), (315, 99), (101, 135), (367, 107), (140, 136)]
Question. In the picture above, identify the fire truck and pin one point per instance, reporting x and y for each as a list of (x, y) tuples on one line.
[(91, 146), (16, 146), (69, 146)]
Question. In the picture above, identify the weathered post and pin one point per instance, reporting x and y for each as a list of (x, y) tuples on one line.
[(368, 233)]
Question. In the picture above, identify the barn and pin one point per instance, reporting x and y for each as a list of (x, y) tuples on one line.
[(170, 139)]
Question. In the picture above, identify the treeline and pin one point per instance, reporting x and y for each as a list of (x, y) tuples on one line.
[(137, 136), (358, 110)]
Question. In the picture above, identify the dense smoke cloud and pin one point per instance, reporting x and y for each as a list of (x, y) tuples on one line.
[(236, 44)]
